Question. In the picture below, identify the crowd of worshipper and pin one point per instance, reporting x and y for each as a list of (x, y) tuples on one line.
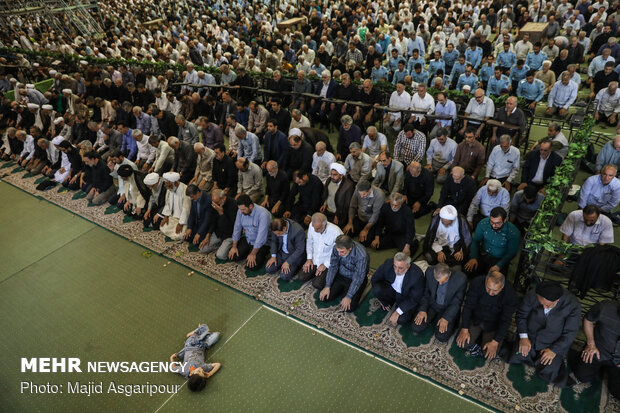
[(255, 179)]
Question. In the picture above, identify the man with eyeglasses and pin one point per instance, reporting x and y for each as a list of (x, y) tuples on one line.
[(481, 107), (494, 245)]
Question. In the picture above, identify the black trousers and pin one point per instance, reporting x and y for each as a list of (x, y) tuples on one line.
[(245, 249), (398, 241), (150, 223), (434, 313), (554, 373), (431, 257), (588, 372), (339, 288), (384, 292), (477, 330), (310, 274), (358, 226)]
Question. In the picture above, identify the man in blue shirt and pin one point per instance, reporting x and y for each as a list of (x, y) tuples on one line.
[(562, 95), (400, 74), (518, 73), (436, 64), (457, 70), (129, 147), (415, 58), (348, 268), (536, 58), (254, 222), (474, 55), (506, 59), (467, 78), (392, 64), (531, 89), (450, 56), (419, 75), (379, 73), (498, 83), (486, 70)]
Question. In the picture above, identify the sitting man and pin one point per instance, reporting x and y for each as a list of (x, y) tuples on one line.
[(490, 196), (395, 227), (601, 325), (250, 180), (287, 248), (195, 370), (523, 207), (494, 245), (135, 194), (608, 104), (562, 95), (390, 174), (539, 166), (204, 167), (99, 180), (470, 155), (309, 188), (609, 154), (337, 193), (176, 210), (200, 215), (587, 226), (458, 191), (547, 322), (601, 190), (503, 163), (157, 201), (398, 285), (440, 305), (358, 164), (277, 189), (364, 212), (488, 309), (221, 226), (448, 238), (348, 268), (418, 189), (254, 221), (440, 155), (322, 235), (184, 158)]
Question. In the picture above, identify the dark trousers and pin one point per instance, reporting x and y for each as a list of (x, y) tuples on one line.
[(185, 178), (434, 313), (431, 257), (310, 274), (281, 258), (588, 372), (554, 373), (299, 213), (245, 249), (358, 226), (424, 209), (279, 212), (397, 241), (475, 330), (384, 292), (150, 223), (340, 286), (166, 166)]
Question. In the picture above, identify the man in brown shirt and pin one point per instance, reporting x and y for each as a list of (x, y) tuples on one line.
[(470, 154)]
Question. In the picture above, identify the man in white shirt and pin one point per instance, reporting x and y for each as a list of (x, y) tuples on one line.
[(321, 161), (319, 246), (608, 104), (374, 142), (421, 101), (440, 154), (399, 99), (146, 152), (176, 211)]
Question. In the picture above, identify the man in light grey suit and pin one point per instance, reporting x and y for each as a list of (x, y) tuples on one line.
[(441, 303), (288, 247), (390, 174)]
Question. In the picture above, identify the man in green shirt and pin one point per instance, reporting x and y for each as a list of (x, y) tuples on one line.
[(494, 245)]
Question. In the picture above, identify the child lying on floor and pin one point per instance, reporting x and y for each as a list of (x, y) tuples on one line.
[(194, 368)]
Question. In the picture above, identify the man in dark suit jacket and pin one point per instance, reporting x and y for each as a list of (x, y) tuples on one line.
[(320, 108), (489, 306), (441, 303), (200, 215), (288, 247), (342, 197), (547, 320), (398, 285), (529, 170), (215, 110)]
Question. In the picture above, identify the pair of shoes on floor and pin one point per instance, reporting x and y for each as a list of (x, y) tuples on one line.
[(475, 351)]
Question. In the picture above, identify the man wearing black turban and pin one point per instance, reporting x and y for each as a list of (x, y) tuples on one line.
[(547, 322)]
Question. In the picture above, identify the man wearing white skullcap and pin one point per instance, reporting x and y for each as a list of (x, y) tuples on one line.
[(176, 209), (337, 194), (157, 200), (488, 197), (294, 132), (448, 238), (54, 155)]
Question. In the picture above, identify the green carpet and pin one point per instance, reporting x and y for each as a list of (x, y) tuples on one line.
[(72, 289)]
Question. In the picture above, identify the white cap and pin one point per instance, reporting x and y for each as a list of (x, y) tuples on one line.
[(294, 132), (58, 120), (151, 179), (338, 168), (171, 176), (32, 106), (47, 107), (57, 140), (29, 86), (67, 92), (448, 212)]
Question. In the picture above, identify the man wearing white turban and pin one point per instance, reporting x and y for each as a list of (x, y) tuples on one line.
[(448, 238), (337, 193), (176, 210)]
